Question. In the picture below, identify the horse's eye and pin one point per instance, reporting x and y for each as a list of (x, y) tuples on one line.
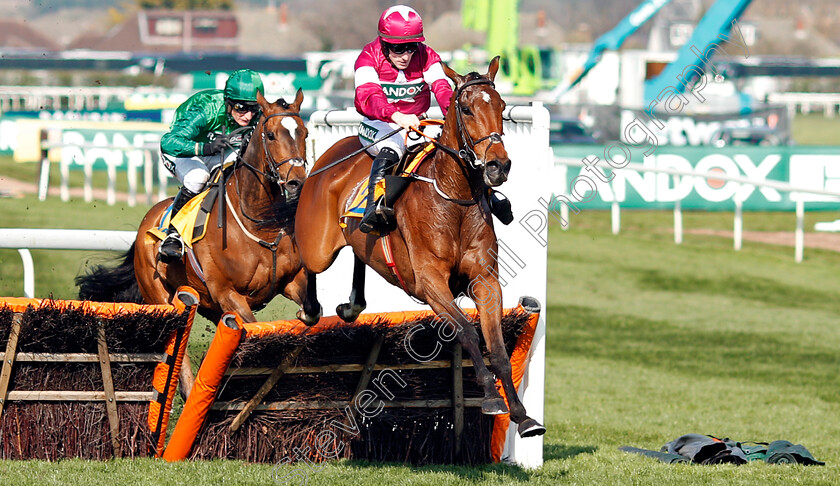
[(270, 135), (465, 110)]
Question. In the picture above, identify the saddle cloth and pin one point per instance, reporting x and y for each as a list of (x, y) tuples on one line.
[(191, 220), (358, 201)]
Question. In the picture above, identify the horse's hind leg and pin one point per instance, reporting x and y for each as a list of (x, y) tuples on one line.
[(351, 310)]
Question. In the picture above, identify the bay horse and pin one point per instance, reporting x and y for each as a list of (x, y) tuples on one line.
[(249, 260), (444, 237)]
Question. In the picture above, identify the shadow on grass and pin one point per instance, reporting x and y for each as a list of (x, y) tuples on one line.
[(500, 471), (508, 472), (560, 451)]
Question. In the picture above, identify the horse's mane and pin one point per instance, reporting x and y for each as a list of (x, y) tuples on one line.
[(278, 215)]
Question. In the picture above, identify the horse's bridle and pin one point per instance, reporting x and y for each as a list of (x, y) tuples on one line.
[(465, 140), (273, 172)]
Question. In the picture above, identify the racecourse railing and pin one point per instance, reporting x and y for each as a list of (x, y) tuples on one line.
[(145, 156), (24, 239), (738, 225)]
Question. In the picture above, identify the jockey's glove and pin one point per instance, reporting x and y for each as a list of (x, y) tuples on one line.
[(215, 146)]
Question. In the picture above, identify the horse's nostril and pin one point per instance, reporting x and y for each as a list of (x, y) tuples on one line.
[(493, 166)]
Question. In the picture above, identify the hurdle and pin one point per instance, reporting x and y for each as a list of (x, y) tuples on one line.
[(280, 392), (89, 380)]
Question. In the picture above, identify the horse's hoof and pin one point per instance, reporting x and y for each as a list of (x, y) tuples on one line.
[(307, 319), (494, 406), (348, 312), (530, 428)]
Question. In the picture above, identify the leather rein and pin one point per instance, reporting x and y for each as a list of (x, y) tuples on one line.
[(272, 175)]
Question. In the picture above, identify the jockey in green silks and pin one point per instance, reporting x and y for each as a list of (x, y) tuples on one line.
[(198, 141)]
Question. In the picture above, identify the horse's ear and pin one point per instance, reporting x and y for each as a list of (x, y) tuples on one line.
[(455, 77), (298, 100), (262, 101), (494, 68)]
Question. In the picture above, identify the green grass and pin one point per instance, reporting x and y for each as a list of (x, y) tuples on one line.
[(647, 340), (815, 129)]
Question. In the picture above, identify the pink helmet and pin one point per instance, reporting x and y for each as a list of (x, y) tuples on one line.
[(400, 24)]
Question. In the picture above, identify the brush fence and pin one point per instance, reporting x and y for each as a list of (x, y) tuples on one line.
[(89, 380), (389, 387)]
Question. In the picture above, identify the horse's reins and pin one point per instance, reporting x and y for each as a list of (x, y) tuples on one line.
[(356, 152), (466, 154), (272, 176)]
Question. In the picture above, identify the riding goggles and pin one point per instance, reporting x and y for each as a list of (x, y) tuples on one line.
[(243, 108), (400, 49)]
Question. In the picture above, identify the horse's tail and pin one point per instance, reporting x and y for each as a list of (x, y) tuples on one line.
[(105, 284)]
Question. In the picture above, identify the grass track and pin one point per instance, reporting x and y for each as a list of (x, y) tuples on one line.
[(647, 340)]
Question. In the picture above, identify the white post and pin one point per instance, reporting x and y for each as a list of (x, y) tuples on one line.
[(678, 222), (65, 180), (799, 236), (738, 231), (44, 179), (88, 180), (112, 183), (148, 180), (616, 217), (28, 273), (132, 183), (564, 215), (162, 178)]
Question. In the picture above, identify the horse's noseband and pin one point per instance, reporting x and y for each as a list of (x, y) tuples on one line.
[(274, 166), (467, 151)]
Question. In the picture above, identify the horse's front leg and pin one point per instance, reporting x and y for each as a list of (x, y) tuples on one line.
[(299, 291), (351, 310), (442, 301), (487, 295), (231, 301)]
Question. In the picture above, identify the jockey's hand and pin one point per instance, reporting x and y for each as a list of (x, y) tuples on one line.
[(216, 146), (406, 121)]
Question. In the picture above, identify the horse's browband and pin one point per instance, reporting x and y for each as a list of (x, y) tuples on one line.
[(284, 113)]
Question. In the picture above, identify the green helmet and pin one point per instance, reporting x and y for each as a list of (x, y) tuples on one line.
[(242, 85)]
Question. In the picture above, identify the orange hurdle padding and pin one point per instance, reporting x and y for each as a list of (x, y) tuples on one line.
[(104, 309), (202, 397), (326, 323), (518, 363), (166, 372), (228, 334)]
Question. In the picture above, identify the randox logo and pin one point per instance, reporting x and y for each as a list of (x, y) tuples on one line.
[(367, 132), (398, 92)]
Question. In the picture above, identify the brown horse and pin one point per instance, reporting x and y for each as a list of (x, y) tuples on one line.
[(249, 260), (444, 237)]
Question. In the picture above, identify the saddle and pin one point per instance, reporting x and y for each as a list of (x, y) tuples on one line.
[(391, 186), (191, 220)]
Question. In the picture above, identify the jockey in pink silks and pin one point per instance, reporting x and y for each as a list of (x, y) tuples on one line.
[(395, 76)]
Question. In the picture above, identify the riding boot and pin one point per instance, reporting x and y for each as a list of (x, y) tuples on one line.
[(172, 247), (374, 217), (500, 207)]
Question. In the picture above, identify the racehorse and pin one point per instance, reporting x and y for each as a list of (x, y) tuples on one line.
[(444, 241), (249, 260)]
